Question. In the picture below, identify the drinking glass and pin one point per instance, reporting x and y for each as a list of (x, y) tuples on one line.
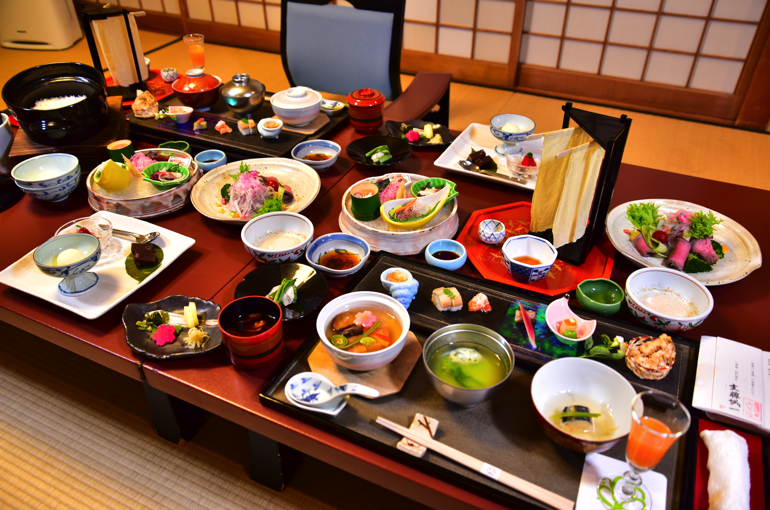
[(657, 421), (194, 43)]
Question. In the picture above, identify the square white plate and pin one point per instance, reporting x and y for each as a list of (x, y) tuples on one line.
[(114, 283), (478, 136)]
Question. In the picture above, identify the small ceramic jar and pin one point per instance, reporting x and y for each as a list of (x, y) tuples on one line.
[(366, 110), (169, 74)]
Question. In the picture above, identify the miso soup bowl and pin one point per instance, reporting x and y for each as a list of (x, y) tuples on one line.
[(580, 376), (363, 361), (253, 351), (470, 333)]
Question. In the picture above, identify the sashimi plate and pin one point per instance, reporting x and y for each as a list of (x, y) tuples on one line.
[(303, 181), (742, 257)]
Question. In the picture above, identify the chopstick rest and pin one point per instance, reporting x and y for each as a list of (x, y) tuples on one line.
[(519, 484), (423, 425)]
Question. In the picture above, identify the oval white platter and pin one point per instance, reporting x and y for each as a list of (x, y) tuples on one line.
[(302, 179), (742, 257), (380, 237)]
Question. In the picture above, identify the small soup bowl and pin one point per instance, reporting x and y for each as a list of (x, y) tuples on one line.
[(277, 237), (304, 149), (528, 246), (363, 361), (491, 231), (600, 295), (257, 350), (335, 242), (210, 159), (581, 378), (472, 334), (269, 128), (446, 245), (82, 252)]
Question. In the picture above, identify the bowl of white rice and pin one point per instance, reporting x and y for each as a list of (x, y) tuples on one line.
[(58, 104)]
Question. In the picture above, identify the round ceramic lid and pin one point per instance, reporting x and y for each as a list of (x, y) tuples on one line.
[(366, 98), (296, 97), (196, 81)]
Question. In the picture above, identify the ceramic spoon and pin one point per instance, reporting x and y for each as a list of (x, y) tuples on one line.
[(469, 165), (315, 390)]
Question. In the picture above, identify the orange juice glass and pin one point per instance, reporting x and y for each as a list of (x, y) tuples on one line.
[(194, 43)]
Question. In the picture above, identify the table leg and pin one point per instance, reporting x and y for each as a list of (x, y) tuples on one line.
[(173, 419), (272, 464)]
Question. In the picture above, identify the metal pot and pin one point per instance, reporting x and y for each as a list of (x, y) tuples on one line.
[(243, 95)]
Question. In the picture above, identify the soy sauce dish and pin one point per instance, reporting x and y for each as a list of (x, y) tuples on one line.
[(446, 254)]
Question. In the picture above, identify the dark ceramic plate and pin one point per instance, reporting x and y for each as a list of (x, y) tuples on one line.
[(399, 149), (394, 130), (311, 286), (141, 341)]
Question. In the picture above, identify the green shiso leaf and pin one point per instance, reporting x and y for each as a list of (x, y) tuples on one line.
[(139, 274)]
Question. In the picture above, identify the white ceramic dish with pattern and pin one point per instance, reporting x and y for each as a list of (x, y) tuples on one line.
[(277, 237)]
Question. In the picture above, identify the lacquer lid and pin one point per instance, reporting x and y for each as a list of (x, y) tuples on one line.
[(366, 98), (196, 81)]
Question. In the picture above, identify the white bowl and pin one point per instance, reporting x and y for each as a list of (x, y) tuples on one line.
[(302, 149), (337, 241), (277, 237), (583, 378), (181, 114), (526, 127), (296, 106), (680, 287), (46, 171), (268, 132), (365, 360), (528, 246), (55, 193)]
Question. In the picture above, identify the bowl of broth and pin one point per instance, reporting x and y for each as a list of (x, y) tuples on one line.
[(467, 364), (252, 331), (528, 258), (363, 330), (338, 255), (581, 404)]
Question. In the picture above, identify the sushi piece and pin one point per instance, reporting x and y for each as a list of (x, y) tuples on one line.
[(447, 299), (247, 127), (222, 128), (479, 303), (200, 125)]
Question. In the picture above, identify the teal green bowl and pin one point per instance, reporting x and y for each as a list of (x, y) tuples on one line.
[(600, 296), (165, 165), (181, 146)]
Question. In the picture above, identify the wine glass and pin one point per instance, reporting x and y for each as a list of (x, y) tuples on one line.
[(194, 43), (657, 421)]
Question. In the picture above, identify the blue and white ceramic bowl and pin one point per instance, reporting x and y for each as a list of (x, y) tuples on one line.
[(46, 171), (446, 245), (337, 241), (54, 193), (491, 231), (77, 280), (210, 159), (524, 127), (528, 246), (303, 149)]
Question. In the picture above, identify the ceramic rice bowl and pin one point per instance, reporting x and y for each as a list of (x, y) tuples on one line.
[(46, 171), (675, 286), (277, 237), (337, 241), (530, 246), (55, 193), (366, 360)]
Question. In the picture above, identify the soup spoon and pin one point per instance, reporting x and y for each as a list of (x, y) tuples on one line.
[(315, 390)]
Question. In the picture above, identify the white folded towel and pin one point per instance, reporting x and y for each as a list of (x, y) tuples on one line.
[(728, 466)]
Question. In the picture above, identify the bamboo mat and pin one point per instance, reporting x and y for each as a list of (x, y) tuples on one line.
[(74, 434)]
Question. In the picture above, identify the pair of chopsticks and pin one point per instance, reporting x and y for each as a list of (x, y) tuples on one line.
[(519, 484), (537, 136)]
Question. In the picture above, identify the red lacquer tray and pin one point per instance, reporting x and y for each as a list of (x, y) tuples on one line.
[(155, 84), (563, 277)]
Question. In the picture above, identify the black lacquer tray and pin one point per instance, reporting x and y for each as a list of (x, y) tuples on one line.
[(503, 431)]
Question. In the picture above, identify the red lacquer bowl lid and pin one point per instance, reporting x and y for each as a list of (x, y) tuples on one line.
[(366, 98), (196, 81)]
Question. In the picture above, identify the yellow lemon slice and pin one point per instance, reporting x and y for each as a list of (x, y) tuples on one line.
[(113, 177)]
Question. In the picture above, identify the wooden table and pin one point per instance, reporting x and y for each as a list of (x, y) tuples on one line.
[(218, 262)]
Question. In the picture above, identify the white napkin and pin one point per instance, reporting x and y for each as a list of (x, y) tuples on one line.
[(598, 466), (728, 464)]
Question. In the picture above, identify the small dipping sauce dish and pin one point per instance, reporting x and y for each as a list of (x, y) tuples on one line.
[(528, 258), (210, 159), (446, 254), (600, 295), (491, 231)]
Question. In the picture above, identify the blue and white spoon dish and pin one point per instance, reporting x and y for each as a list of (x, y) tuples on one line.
[(314, 390)]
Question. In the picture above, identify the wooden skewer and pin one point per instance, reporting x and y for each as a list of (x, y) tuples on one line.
[(501, 476)]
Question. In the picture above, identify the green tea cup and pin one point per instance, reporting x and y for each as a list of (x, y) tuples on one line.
[(600, 296)]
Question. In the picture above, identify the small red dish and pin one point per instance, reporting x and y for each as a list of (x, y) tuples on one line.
[(251, 350)]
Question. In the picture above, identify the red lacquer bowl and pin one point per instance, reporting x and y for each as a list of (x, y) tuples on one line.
[(197, 89), (366, 110), (253, 351)]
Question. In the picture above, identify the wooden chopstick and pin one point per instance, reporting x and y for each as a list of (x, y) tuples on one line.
[(501, 476)]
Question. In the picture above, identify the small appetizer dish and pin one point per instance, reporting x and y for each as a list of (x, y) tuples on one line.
[(565, 324), (413, 213), (467, 364), (650, 358), (277, 237), (600, 295), (269, 128), (446, 254), (491, 231), (173, 327), (210, 159), (510, 128), (363, 330), (332, 107), (100, 228), (528, 258), (252, 331), (400, 284), (338, 255), (581, 404), (667, 299), (179, 114), (420, 133), (70, 256), (524, 166), (378, 150), (165, 175), (317, 154)]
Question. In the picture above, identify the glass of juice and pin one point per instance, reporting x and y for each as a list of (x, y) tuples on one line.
[(194, 43), (657, 421)]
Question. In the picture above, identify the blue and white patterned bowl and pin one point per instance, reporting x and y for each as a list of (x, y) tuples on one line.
[(46, 171), (302, 149), (491, 231), (528, 246), (526, 125), (337, 241), (77, 280), (54, 193)]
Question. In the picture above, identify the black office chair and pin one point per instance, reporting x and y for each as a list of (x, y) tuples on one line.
[(341, 49)]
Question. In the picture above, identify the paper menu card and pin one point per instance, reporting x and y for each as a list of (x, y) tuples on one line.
[(732, 383)]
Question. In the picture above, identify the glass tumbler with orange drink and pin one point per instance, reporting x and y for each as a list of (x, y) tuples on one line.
[(657, 421), (194, 43)]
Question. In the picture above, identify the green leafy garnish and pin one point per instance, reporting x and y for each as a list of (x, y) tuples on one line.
[(646, 214), (702, 224), (277, 296), (225, 192), (575, 414), (272, 204), (139, 274), (610, 348), (463, 380), (695, 264), (449, 293), (152, 320), (718, 249)]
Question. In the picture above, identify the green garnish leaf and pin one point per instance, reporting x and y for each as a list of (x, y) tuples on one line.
[(695, 264), (139, 274), (645, 214), (225, 192), (609, 348), (277, 296), (449, 293), (702, 224), (718, 249)]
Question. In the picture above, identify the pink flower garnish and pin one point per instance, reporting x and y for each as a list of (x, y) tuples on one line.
[(164, 335), (365, 319), (412, 136)]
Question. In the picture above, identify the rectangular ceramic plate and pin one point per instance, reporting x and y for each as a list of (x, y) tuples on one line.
[(478, 136), (114, 283)]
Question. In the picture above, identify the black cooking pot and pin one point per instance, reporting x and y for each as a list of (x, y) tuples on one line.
[(62, 126)]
